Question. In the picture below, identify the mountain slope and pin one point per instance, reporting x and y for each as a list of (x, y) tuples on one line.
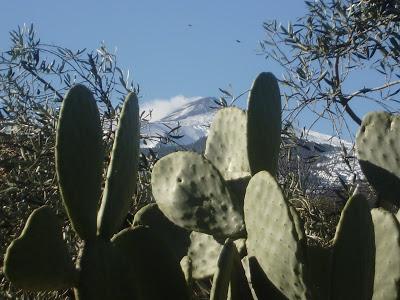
[(194, 119), (324, 160)]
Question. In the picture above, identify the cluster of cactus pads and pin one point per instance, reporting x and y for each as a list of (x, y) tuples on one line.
[(241, 223), (128, 264), (221, 214)]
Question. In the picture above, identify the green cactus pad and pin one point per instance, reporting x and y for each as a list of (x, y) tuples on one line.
[(79, 159), (239, 288), (222, 275), (186, 266), (226, 145), (353, 256), (203, 253), (319, 266), (246, 268), (260, 286), (237, 186), (38, 260), (176, 237), (264, 124), (122, 172), (156, 273), (272, 237), (387, 259), (101, 267), (230, 276), (378, 150), (191, 192)]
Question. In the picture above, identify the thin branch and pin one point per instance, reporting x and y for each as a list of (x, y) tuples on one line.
[(367, 90), (25, 66)]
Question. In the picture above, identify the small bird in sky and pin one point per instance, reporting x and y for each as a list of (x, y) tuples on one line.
[(238, 41), (190, 25)]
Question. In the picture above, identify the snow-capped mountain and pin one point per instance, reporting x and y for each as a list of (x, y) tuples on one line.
[(200, 110), (325, 159), (194, 119)]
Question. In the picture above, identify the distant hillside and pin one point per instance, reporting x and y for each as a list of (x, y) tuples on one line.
[(318, 155)]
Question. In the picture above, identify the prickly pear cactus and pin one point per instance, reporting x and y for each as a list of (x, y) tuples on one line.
[(260, 286), (378, 150), (229, 280), (203, 254), (387, 255), (176, 237), (191, 192), (353, 258), (226, 146), (79, 159), (122, 172), (39, 260), (206, 193), (272, 237), (107, 268), (264, 124)]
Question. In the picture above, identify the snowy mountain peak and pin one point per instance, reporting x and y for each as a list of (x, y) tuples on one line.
[(194, 108), (321, 154), (193, 118), (321, 138)]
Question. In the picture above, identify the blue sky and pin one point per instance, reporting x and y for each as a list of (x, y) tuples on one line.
[(154, 40), (168, 58)]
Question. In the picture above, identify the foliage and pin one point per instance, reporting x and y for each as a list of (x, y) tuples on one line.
[(335, 46), (34, 77)]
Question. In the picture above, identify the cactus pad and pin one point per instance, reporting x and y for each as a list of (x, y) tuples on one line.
[(272, 237), (157, 273), (226, 145), (378, 150), (230, 278), (387, 260), (186, 266), (264, 124), (203, 253), (38, 260), (191, 192), (222, 276), (260, 286), (319, 266), (99, 264), (122, 172), (79, 159), (176, 237), (353, 257)]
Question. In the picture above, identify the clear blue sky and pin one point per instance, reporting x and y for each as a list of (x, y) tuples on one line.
[(166, 56)]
